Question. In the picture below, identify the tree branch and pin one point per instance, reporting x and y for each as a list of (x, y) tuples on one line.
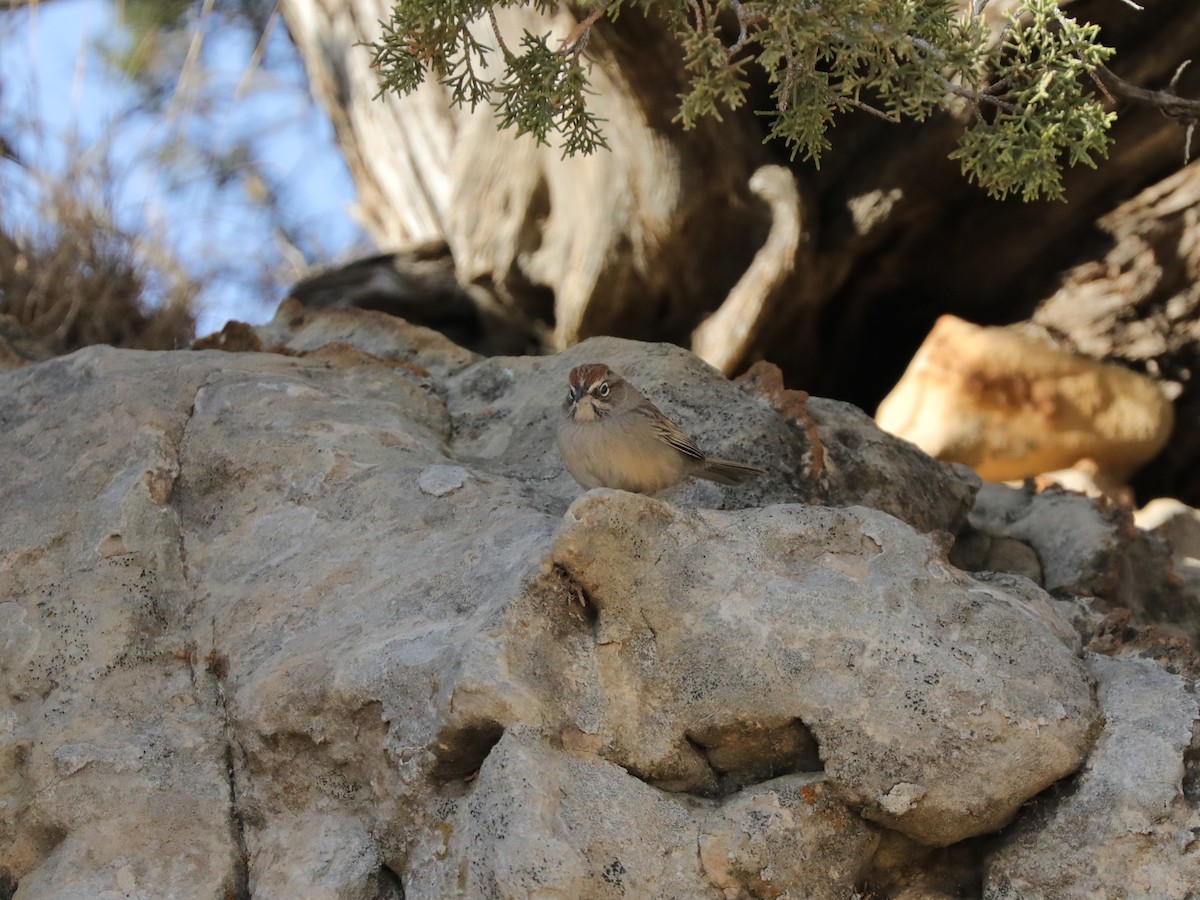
[(1166, 102), (578, 38)]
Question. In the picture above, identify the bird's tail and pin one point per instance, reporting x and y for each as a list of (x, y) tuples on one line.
[(726, 471)]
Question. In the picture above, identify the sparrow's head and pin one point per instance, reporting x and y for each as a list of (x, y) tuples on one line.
[(594, 390)]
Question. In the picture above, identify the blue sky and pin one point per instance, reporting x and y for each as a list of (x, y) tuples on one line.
[(50, 74)]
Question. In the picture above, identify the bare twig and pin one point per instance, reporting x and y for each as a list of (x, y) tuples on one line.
[(183, 85), (260, 50), (1166, 101), (508, 57), (891, 118), (1101, 86), (789, 72), (1178, 72), (575, 41), (745, 20), (741, 17)]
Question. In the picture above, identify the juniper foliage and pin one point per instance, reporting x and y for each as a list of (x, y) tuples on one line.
[(1030, 93)]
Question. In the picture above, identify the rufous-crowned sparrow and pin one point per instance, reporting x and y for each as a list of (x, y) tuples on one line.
[(612, 436)]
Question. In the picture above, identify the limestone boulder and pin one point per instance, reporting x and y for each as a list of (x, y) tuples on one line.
[(1126, 826), (938, 708), (113, 754), (334, 623), (506, 410), (544, 822), (1085, 548)]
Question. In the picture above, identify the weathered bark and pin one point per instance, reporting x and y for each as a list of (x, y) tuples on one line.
[(1140, 303), (650, 239), (660, 227)]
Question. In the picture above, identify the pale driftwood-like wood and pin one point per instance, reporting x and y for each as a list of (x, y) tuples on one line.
[(396, 152), (649, 239), (727, 337), (641, 240), (1140, 303)]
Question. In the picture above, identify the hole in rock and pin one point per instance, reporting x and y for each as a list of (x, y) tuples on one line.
[(745, 753), (903, 868), (8, 885), (391, 887), (461, 749)]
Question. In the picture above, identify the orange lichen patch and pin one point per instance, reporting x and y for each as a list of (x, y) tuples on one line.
[(340, 353), (1118, 635), (577, 741), (159, 484), (810, 794)]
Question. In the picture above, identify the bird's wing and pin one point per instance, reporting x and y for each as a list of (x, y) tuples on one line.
[(669, 432)]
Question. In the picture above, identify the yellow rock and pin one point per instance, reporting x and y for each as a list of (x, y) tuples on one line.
[(1012, 404)]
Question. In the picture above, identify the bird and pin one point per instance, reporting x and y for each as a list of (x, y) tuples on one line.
[(612, 436)]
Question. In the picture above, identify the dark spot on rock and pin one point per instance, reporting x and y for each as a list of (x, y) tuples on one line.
[(614, 874), (1191, 770), (217, 664)]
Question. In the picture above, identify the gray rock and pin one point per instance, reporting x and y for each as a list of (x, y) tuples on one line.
[(313, 625), (1124, 827), (296, 329), (1087, 548), (541, 822), (938, 707), (787, 836), (869, 467), (1178, 526), (506, 412), (438, 481)]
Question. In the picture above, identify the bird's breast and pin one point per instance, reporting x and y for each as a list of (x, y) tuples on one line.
[(627, 456)]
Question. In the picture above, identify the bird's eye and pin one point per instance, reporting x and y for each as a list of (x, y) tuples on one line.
[(604, 389)]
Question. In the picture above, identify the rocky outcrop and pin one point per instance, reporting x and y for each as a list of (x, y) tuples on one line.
[(333, 622), (1082, 549), (1127, 825)]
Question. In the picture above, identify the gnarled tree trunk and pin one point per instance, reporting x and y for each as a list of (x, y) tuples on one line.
[(651, 238)]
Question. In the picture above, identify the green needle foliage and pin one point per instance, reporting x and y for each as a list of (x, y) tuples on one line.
[(1030, 92)]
